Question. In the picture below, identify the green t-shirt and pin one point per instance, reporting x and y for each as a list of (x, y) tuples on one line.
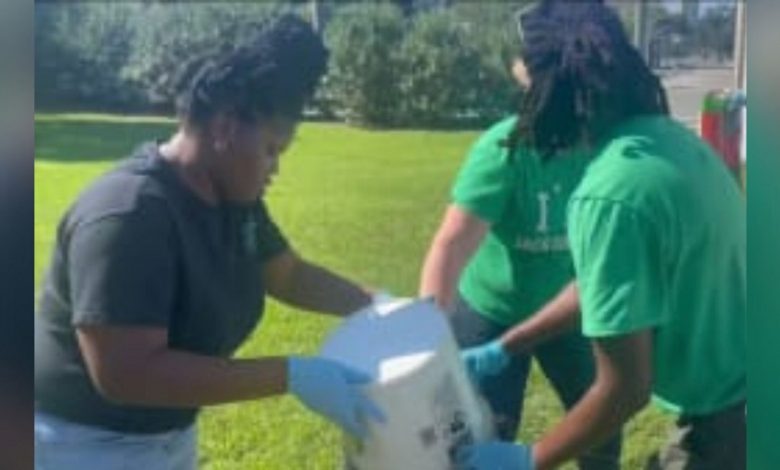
[(657, 232), (524, 259)]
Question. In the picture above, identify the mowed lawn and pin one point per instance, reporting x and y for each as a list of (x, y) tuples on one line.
[(363, 203)]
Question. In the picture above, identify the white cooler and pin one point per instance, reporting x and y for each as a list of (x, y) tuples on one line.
[(419, 382)]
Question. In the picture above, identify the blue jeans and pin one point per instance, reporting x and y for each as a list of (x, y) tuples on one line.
[(64, 445), (566, 361)]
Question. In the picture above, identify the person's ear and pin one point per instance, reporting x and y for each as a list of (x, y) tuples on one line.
[(520, 73), (222, 130)]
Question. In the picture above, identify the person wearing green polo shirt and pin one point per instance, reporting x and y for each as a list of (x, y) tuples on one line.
[(656, 229), (499, 257)]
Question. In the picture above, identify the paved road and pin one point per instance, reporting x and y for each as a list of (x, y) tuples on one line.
[(686, 89)]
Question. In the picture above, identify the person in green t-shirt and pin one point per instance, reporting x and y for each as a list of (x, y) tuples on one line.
[(501, 256), (656, 229)]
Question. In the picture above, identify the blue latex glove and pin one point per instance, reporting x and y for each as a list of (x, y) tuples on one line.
[(331, 389), (496, 455), (485, 360)]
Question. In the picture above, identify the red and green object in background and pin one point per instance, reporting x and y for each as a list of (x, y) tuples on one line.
[(721, 126)]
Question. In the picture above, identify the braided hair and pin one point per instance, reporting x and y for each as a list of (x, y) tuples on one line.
[(586, 76), (271, 74)]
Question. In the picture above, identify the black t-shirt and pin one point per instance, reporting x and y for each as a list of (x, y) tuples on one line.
[(140, 248)]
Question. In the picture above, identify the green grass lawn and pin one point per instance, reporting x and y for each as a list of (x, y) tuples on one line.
[(362, 203)]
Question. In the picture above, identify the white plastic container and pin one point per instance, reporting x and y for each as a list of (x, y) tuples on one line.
[(419, 382)]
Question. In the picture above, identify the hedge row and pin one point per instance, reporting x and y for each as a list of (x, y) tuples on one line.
[(438, 67)]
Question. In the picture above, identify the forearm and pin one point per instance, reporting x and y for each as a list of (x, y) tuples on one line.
[(622, 387), (173, 378), (596, 418), (317, 289), (557, 317), (457, 239), (441, 272)]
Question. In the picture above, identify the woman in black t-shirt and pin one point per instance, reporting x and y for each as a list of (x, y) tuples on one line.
[(161, 268)]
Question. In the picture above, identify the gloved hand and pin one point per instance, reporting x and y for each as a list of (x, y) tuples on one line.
[(485, 360), (496, 455), (331, 389)]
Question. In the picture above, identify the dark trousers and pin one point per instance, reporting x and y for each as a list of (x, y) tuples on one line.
[(717, 441)]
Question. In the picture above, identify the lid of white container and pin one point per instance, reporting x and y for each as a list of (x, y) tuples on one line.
[(388, 340)]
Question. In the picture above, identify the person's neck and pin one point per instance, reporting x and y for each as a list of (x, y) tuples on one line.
[(184, 154)]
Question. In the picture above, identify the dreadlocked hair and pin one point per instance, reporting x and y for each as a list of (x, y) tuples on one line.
[(586, 77), (271, 74)]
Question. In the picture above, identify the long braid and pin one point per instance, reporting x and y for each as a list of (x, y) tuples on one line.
[(586, 77)]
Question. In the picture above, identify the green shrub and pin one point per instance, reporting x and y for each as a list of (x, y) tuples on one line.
[(175, 36), (439, 68), (80, 48), (362, 83), (129, 55)]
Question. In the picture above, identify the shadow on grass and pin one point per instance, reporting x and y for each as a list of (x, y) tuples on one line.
[(80, 140)]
